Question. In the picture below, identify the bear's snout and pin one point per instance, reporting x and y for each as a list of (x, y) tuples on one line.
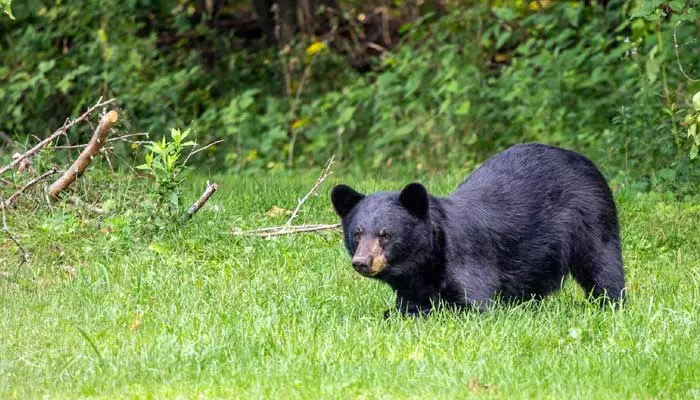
[(369, 258), (362, 264)]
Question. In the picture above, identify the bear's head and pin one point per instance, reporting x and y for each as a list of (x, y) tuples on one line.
[(384, 232)]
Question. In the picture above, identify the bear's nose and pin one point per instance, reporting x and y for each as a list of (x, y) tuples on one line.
[(361, 263)]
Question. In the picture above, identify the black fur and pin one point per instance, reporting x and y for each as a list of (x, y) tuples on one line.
[(515, 228)]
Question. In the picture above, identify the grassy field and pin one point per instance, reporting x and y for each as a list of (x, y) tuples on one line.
[(105, 309)]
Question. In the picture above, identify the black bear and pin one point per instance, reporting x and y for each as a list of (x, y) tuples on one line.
[(514, 229)]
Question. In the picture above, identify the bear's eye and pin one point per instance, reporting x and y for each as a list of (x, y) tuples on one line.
[(358, 232), (383, 234)]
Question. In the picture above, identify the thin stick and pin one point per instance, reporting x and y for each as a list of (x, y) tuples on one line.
[(285, 230), (202, 200), (25, 255), (60, 131), (5, 138), (200, 149), (295, 105), (678, 57), (81, 163), (8, 183), (314, 189), (124, 138), (10, 200)]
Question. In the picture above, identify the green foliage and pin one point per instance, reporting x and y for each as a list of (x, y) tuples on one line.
[(602, 80), (166, 163), (5, 6), (692, 121)]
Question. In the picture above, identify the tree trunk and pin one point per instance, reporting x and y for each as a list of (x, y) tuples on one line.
[(266, 20)]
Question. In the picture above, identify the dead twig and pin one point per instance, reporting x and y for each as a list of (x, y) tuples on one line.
[(8, 183), (118, 138), (295, 105), (6, 230), (8, 140), (99, 138), (202, 200), (314, 189), (286, 230), (193, 152), (60, 131), (10, 200), (678, 57)]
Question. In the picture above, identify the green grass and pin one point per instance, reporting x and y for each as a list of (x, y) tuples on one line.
[(240, 317)]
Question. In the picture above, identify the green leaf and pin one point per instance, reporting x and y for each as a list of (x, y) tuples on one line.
[(645, 8), (693, 151), (504, 13), (463, 108), (692, 131), (696, 101), (653, 64), (5, 5)]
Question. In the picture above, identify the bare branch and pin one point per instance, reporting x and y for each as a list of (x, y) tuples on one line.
[(10, 200), (8, 140), (118, 138), (8, 183), (6, 230), (193, 152), (295, 105), (285, 230), (60, 131), (314, 189), (208, 192), (678, 57), (288, 228), (99, 138)]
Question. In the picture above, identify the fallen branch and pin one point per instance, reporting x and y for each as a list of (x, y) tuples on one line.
[(10, 200), (314, 189), (285, 230), (288, 228), (99, 138), (202, 200), (60, 131), (6, 230)]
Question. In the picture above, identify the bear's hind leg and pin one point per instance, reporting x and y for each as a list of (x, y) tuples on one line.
[(599, 271)]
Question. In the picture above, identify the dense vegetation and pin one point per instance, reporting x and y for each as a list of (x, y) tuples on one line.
[(438, 87), (108, 291)]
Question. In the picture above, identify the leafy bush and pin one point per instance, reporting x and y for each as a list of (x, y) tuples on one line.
[(603, 80)]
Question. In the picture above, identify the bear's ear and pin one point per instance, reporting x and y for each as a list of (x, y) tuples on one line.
[(414, 197), (344, 199)]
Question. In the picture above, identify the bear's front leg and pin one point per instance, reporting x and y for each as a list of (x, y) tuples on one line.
[(409, 308)]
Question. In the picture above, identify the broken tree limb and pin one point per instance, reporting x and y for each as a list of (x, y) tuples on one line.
[(99, 138), (202, 200), (60, 131), (314, 189), (286, 230), (10, 200)]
